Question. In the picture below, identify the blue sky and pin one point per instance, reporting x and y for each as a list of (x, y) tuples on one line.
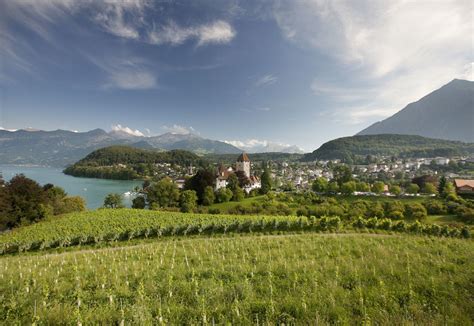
[(296, 72)]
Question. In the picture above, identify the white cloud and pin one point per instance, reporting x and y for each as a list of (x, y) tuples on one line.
[(127, 130), (263, 146), (178, 129), (216, 32), (398, 50), (266, 80)]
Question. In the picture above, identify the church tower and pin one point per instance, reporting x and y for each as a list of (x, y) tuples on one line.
[(243, 164)]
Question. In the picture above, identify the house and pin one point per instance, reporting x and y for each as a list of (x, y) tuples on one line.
[(241, 165), (464, 186)]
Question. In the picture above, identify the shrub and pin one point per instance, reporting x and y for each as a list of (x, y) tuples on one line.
[(416, 211)]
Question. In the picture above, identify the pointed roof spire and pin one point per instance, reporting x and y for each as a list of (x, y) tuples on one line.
[(243, 158)]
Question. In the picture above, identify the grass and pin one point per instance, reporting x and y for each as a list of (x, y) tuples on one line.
[(303, 279)]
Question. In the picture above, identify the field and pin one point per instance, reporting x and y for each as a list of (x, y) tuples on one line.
[(259, 279), (107, 226)]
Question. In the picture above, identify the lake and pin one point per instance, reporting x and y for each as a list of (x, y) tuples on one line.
[(92, 190)]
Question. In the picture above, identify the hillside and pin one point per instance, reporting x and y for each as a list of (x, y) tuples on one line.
[(446, 113), (356, 148), (142, 267), (61, 147), (125, 162)]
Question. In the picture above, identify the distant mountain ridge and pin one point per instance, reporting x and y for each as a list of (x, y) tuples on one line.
[(356, 148), (446, 113), (62, 147)]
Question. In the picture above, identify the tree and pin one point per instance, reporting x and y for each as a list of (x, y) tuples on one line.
[(139, 202), (242, 178), (163, 193), (188, 201), (266, 180), (362, 186), (430, 189), (348, 188), (73, 204), (442, 185), (113, 201), (333, 187), (342, 173), (202, 179), (396, 190), (320, 185), (223, 195), (416, 211), (378, 187), (27, 200), (238, 194), (208, 196), (413, 188)]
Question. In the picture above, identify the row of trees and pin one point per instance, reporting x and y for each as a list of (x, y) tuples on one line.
[(345, 184), (24, 201)]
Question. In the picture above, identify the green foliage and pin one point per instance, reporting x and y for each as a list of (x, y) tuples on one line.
[(163, 194), (320, 185), (208, 196), (413, 188), (126, 163), (188, 201), (362, 186), (378, 187), (342, 174), (265, 180), (113, 201), (246, 280), (139, 202), (357, 148), (200, 181), (333, 187), (238, 194), (416, 211), (224, 195), (348, 187), (396, 190)]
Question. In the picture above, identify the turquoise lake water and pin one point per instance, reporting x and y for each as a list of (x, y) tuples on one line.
[(92, 190)]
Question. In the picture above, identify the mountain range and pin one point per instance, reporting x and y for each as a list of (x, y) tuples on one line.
[(446, 113), (62, 147)]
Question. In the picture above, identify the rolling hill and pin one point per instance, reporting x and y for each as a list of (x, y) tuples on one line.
[(446, 113), (358, 147)]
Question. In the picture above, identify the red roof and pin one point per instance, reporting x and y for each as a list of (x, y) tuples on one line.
[(243, 158), (464, 183)]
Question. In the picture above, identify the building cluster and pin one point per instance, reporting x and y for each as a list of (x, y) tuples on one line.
[(242, 166)]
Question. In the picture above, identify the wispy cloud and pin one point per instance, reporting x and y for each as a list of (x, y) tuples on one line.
[(399, 50), (127, 74), (266, 80), (217, 32)]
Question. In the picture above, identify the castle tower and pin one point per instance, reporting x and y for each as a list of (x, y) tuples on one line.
[(243, 164)]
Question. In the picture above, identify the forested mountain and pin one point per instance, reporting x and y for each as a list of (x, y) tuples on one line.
[(62, 147), (446, 113), (355, 148), (125, 162)]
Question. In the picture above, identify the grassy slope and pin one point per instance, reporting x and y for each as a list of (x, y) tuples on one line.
[(308, 279)]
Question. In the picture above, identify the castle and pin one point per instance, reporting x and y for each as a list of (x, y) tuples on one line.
[(242, 165)]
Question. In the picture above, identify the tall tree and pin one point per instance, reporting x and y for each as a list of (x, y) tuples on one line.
[(113, 201), (266, 179), (202, 179)]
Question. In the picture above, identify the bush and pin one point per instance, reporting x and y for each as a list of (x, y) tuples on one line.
[(416, 211), (435, 207)]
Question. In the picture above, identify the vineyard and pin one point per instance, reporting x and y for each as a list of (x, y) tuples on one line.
[(254, 279), (104, 226)]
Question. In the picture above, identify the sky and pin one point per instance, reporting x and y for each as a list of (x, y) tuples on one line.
[(298, 72)]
